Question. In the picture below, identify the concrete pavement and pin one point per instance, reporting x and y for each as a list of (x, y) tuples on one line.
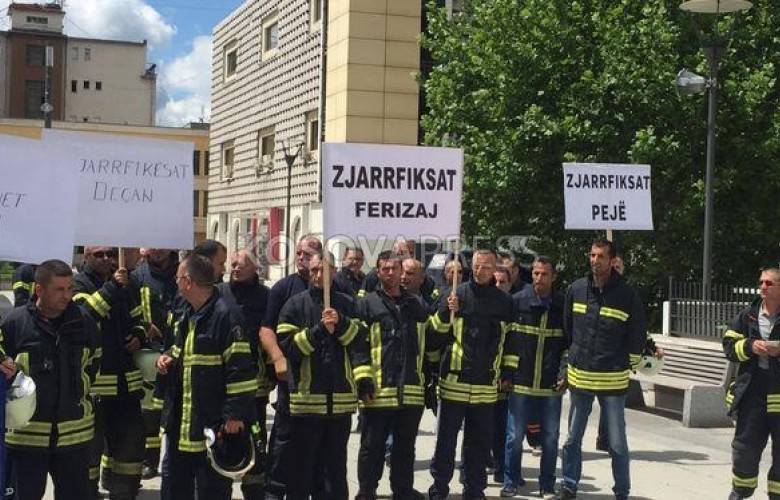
[(668, 462)]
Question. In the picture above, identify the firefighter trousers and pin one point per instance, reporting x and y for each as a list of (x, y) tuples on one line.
[(319, 452), (118, 447), (477, 441), (377, 425), (754, 426), (253, 483), (184, 473), (279, 463), (68, 469)]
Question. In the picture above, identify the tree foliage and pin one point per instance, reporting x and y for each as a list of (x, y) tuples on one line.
[(525, 85)]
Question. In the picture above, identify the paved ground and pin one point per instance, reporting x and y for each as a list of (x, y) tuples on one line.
[(668, 462)]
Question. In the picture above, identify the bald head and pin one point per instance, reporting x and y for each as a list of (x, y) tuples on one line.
[(242, 267), (412, 276)]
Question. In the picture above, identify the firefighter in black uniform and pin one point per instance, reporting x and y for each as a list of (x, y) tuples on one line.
[(396, 322), (327, 351), (154, 285), (278, 454), (212, 384), (56, 343), (350, 278), (754, 396), (478, 358), (605, 331), (251, 296), (23, 284), (405, 250), (118, 446)]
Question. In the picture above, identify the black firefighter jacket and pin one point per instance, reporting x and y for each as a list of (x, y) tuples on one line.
[(738, 347), (110, 307), (606, 333), (537, 330), (477, 347), (396, 335), (61, 357), (324, 367), (212, 378)]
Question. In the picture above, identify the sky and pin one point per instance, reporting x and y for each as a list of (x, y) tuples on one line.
[(179, 40)]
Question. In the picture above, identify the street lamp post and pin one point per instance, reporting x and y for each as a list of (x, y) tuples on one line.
[(689, 83), (289, 159)]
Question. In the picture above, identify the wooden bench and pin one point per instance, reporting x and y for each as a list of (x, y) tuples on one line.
[(692, 382)]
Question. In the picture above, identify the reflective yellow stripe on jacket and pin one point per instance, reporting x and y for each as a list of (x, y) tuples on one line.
[(598, 381)]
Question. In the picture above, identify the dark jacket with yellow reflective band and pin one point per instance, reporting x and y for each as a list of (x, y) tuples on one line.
[(23, 284), (61, 357), (156, 292), (323, 366), (396, 333), (738, 347), (212, 378), (110, 307), (537, 330), (606, 333), (477, 345), (252, 299)]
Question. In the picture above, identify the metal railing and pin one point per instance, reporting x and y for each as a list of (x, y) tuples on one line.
[(690, 316)]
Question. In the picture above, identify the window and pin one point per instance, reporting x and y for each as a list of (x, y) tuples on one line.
[(228, 151), (74, 86), (315, 14), (312, 134), (206, 162), (36, 55), (230, 59), (196, 162), (75, 52), (196, 203), (205, 210), (37, 20), (87, 54), (86, 84), (270, 35), (33, 98), (98, 85), (266, 145)]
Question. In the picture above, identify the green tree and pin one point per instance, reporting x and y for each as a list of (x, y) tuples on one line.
[(525, 85)]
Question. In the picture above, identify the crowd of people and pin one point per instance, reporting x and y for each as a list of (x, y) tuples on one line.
[(491, 356)]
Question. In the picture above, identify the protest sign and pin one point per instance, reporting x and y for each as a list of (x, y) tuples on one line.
[(607, 196), (133, 192), (37, 203), (374, 191)]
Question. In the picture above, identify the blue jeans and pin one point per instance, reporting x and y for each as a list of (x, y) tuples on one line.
[(522, 409), (613, 407)]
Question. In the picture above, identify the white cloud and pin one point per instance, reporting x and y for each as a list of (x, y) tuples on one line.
[(186, 82)]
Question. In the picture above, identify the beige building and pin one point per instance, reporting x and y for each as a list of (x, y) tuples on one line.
[(274, 85)]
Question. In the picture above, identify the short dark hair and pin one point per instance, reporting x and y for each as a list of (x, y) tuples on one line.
[(387, 255), (604, 243), (321, 254), (200, 269), (208, 248), (52, 269), (317, 247), (543, 259), (484, 251), (353, 249)]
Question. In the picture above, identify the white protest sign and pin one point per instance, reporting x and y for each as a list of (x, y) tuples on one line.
[(133, 192), (37, 203), (607, 196), (374, 191)]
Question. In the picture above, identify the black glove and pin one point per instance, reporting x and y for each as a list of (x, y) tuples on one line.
[(365, 389)]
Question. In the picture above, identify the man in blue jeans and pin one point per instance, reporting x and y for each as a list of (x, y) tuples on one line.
[(604, 327), (538, 383)]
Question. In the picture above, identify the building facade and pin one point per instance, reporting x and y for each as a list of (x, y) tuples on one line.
[(197, 134), (89, 80), (296, 72)]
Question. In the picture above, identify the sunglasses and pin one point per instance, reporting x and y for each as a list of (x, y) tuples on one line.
[(110, 254)]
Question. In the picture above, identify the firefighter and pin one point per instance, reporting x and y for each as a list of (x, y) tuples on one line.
[(216, 252), (327, 350), (405, 250), (477, 359), (252, 297), (23, 284), (396, 323), (539, 382), (754, 396), (56, 343), (212, 384), (350, 277), (118, 447), (154, 283), (278, 443), (605, 331)]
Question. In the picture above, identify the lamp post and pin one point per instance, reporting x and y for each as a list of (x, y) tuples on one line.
[(689, 83), (289, 159)]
